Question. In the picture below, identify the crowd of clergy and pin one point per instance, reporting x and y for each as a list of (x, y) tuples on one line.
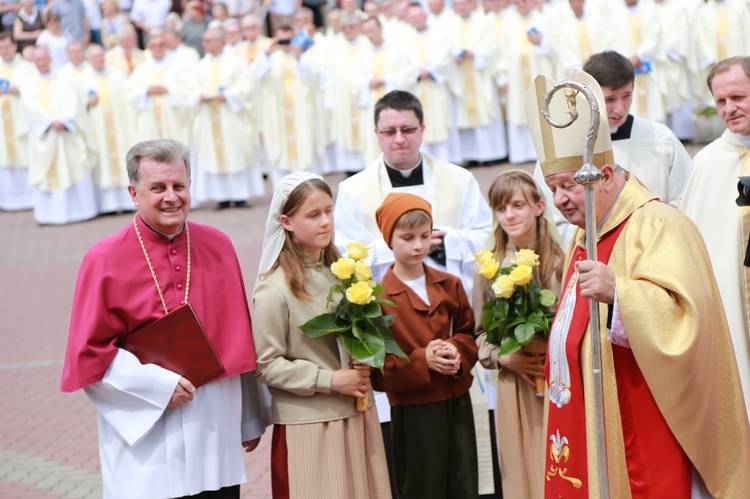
[(302, 99)]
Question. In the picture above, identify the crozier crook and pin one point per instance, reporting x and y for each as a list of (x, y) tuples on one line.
[(588, 175)]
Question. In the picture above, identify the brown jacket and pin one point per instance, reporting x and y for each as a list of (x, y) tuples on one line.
[(411, 382)]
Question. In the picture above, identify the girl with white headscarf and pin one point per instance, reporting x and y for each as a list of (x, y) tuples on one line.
[(322, 446)]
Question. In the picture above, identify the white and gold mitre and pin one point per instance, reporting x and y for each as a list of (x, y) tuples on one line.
[(561, 149)]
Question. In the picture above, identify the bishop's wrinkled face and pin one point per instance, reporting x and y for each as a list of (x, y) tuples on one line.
[(162, 194)]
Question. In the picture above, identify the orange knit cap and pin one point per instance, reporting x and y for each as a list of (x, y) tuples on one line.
[(393, 207)]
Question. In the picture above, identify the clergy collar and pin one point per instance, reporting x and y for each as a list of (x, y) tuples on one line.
[(405, 178), (623, 131), (154, 231)]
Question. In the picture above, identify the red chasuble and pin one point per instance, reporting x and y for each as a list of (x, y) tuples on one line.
[(657, 466), (115, 295)]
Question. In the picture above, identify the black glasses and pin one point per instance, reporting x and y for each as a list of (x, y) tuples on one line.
[(391, 132)]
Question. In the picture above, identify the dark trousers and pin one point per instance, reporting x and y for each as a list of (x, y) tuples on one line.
[(231, 492), (434, 450)]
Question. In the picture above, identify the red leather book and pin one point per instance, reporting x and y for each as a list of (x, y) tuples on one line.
[(176, 342)]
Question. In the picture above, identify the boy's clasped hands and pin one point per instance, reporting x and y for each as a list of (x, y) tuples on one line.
[(443, 357)]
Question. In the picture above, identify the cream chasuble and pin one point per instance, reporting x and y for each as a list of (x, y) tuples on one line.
[(637, 31), (720, 30), (342, 99), (522, 60), (57, 160), (283, 86), (474, 103), (710, 202), (113, 126), (167, 116), (14, 127), (249, 51), (430, 49), (218, 125), (117, 58)]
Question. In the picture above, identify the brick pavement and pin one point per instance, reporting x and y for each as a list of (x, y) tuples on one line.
[(48, 442)]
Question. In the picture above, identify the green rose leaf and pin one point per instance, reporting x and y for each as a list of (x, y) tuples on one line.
[(322, 325), (509, 345), (370, 350), (547, 298), (524, 333)]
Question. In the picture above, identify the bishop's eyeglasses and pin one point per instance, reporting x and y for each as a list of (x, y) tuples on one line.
[(391, 132)]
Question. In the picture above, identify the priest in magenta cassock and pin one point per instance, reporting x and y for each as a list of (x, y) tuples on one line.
[(674, 418), (159, 436)]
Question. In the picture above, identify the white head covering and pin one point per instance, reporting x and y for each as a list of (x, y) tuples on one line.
[(273, 240)]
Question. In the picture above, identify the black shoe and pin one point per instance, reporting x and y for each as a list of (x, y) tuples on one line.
[(241, 204), (223, 205)]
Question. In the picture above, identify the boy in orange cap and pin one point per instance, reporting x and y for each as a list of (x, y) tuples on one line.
[(434, 447)]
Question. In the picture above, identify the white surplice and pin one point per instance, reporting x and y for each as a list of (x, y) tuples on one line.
[(147, 450)]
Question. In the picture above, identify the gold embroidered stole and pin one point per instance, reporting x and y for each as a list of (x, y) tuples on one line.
[(378, 71), (45, 100), (469, 77), (641, 80), (214, 111), (424, 91), (7, 110), (525, 52), (157, 78), (105, 107), (353, 53), (722, 42), (252, 51), (287, 91), (584, 42)]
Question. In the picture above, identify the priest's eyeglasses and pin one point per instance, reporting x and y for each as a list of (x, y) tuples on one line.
[(391, 132)]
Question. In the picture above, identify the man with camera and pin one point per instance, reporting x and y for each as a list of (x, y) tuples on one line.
[(711, 201)]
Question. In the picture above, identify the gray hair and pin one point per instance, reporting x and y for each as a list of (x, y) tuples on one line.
[(161, 151)]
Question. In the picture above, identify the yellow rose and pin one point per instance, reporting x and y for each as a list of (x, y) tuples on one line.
[(357, 251), (521, 275), (360, 293), (483, 255), (362, 271), (489, 268), (503, 287), (527, 257), (343, 268)]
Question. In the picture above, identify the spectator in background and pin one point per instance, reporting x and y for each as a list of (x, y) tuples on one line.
[(28, 25), (8, 10), (93, 9), (73, 21), (112, 21), (219, 11), (195, 24), (53, 38), (149, 14)]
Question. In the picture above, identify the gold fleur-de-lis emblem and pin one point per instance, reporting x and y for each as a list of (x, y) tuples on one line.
[(560, 453)]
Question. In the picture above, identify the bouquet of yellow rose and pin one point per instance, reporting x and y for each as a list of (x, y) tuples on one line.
[(358, 320), (520, 307)]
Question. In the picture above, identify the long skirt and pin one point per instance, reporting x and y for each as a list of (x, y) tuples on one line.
[(520, 434), (342, 459)]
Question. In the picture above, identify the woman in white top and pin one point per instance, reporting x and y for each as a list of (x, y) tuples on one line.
[(56, 42)]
